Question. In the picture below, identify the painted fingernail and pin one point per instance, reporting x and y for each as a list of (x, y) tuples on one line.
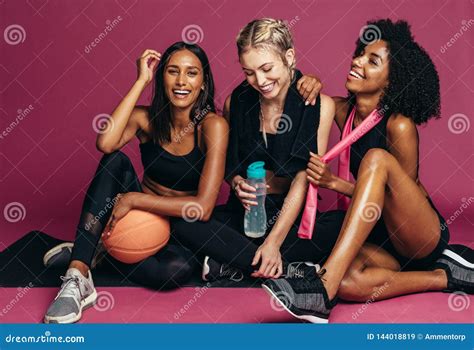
[(306, 103)]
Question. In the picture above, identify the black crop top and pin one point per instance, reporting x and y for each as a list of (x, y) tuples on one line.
[(181, 173)]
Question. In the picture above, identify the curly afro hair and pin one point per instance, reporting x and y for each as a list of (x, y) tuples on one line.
[(413, 88)]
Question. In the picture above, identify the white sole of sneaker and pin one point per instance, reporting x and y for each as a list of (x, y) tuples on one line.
[(205, 269), (309, 318), (458, 258), (71, 318), (55, 250)]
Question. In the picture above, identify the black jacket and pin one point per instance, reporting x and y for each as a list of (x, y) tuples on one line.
[(297, 133)]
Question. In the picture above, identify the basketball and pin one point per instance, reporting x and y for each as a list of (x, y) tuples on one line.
[(136, 236)]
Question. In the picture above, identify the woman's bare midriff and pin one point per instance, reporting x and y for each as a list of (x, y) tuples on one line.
[(151, 187), (277, 185)]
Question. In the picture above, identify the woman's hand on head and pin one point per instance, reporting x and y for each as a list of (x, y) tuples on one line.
[(319, 173), (309, 87), (147, 64)]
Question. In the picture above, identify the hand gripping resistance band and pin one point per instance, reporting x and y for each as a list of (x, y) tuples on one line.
[(343, 150)]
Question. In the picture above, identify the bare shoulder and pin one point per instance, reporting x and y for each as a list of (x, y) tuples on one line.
[(327, 102), (342, 107), (213, 122), (400, 126)]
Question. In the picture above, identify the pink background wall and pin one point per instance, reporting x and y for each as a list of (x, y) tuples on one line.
[(47, 158)]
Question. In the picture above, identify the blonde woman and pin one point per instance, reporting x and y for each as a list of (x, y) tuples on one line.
[(269, 121)]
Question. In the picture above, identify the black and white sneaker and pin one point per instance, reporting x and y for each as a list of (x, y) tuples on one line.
[(214, 271), (60, 256), (300, 269), (304, 298), (457, 262)]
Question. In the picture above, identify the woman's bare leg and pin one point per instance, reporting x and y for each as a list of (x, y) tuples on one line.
[(375, 275), (383, 188)]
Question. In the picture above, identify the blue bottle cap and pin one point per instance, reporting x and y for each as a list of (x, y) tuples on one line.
[(256, 170)]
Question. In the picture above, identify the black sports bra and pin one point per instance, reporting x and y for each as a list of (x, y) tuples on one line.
[(181, 173)]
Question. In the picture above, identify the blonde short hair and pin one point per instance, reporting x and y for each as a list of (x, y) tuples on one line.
[(266, 33)]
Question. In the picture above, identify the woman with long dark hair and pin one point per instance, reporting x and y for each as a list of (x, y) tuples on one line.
[(183, 149), (183, 145), (390, 208)]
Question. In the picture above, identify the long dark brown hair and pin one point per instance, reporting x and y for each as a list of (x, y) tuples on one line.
[(160, 111)]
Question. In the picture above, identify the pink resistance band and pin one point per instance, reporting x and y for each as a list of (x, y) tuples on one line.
[(343, 150)]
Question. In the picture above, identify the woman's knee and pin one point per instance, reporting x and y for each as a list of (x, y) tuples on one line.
[(355, 284), (161, 274), (176, 274), (375, 158), (354, 288), (115, 160)]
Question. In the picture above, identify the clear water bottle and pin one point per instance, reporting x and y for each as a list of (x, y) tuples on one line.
[(255, 220)]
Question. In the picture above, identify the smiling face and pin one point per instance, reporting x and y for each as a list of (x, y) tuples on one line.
[(183, 78), (369, 71), (265, 70)]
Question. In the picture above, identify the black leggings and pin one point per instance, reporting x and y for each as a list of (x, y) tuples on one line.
[(222, 237), (171, 267)]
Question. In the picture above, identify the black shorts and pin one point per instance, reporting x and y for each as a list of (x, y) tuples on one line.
[(381, 237)]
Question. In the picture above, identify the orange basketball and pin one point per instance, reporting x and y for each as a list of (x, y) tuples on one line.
[(136, 236)]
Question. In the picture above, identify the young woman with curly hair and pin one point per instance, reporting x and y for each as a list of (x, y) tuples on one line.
[(394, 75)]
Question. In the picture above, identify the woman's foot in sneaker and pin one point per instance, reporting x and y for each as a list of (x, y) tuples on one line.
[(60, 255), (214, 271), (304, 298), (456, 261), (300, 269), (76, 294)]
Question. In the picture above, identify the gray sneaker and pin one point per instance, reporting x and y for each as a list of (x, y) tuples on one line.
[(60, 255), (76, 294), (456, 261), (304, 298)]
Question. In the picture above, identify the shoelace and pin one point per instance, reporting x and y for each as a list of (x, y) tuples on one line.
[(234, 274), (293, 269), (69, 287), (308, 285)]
